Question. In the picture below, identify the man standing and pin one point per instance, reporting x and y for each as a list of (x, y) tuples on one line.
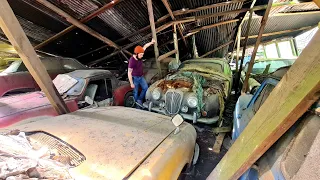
[(135, 73)]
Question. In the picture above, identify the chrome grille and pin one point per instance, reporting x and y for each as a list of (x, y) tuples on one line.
[(173, 101), (63, 148)]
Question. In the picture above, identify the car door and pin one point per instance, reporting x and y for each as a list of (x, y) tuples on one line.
[(102, 92), (247, 113)]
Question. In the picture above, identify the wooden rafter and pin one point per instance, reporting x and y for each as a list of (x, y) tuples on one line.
[(253, 56), (282, 32), (166, 4), (154, 36), (192, 19), (81, 25), (159, 29), (86, 19), (237, 82), (162, 57)]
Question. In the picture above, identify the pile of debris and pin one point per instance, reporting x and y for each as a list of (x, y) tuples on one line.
[(22, 157)]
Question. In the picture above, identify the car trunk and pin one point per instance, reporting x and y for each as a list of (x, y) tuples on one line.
[(113, 140), (18, 107)]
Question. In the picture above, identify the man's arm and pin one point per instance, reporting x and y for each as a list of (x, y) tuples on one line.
[(130, 77), (149, 44)]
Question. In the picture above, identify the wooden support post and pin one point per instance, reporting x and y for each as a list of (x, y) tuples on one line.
[(14, 32), (216, 49), (294, 94), (176, 47), (238, 76), (162, 57), (253, 56), (80, 25), (86, 19), (154, 35), (238, 47), (194, 47)]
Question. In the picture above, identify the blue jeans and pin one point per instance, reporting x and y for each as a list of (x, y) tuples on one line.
[(139, 81)]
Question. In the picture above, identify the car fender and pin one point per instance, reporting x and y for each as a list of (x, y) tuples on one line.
[(238, 118), (170, 157), (119, 94)]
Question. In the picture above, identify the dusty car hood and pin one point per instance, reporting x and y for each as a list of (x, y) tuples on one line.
[(114, 140)]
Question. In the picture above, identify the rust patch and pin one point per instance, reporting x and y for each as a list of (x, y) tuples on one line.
[(165, 85)]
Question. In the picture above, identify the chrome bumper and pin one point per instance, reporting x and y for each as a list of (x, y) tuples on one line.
[(184, 115)]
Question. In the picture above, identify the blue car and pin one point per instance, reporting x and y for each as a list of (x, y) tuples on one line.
[(288, 157)]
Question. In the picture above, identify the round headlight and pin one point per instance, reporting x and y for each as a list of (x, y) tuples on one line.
[(192, 101), (156, 94)]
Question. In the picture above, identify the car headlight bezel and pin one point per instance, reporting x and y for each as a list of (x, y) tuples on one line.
[(192, 101), (156, 94)]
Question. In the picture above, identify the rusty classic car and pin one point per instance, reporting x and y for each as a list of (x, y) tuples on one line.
[(101, 143), (17, 79), (197, 91), (79, 89)]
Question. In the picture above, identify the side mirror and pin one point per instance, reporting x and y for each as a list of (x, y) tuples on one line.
[(177, 120), (88, 100)]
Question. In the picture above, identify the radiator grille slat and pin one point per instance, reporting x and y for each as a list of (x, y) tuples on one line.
[(173, 101), (63, 148)]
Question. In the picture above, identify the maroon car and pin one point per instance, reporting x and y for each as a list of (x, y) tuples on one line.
[(16, 78), (79, 89)]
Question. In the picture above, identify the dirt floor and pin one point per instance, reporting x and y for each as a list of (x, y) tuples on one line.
[(206, 138)]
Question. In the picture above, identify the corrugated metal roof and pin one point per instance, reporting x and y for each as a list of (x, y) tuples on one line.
[(129, 16), (281, 23), (33, 31)]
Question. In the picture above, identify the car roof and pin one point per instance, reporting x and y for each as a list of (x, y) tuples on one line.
[(89, 73)]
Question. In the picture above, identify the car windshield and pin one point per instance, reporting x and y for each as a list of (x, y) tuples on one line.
[(273, 65), (204, 67), (51, 64), (14, 67), (68, 85)]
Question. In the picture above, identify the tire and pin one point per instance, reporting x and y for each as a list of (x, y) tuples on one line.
[(129, 100)]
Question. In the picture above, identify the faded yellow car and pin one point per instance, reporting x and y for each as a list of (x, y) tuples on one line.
[(116, 142)]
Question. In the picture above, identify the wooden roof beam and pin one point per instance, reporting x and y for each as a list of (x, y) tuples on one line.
[(86, 19), (282, 32), (159, 29), (166, 4), (81, 25)]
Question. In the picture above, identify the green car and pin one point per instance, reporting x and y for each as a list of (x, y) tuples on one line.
[(197, 91)]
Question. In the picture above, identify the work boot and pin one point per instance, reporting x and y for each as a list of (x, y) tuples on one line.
[(139, 104)]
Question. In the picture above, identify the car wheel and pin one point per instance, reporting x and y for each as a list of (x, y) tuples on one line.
[(129, 100)]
